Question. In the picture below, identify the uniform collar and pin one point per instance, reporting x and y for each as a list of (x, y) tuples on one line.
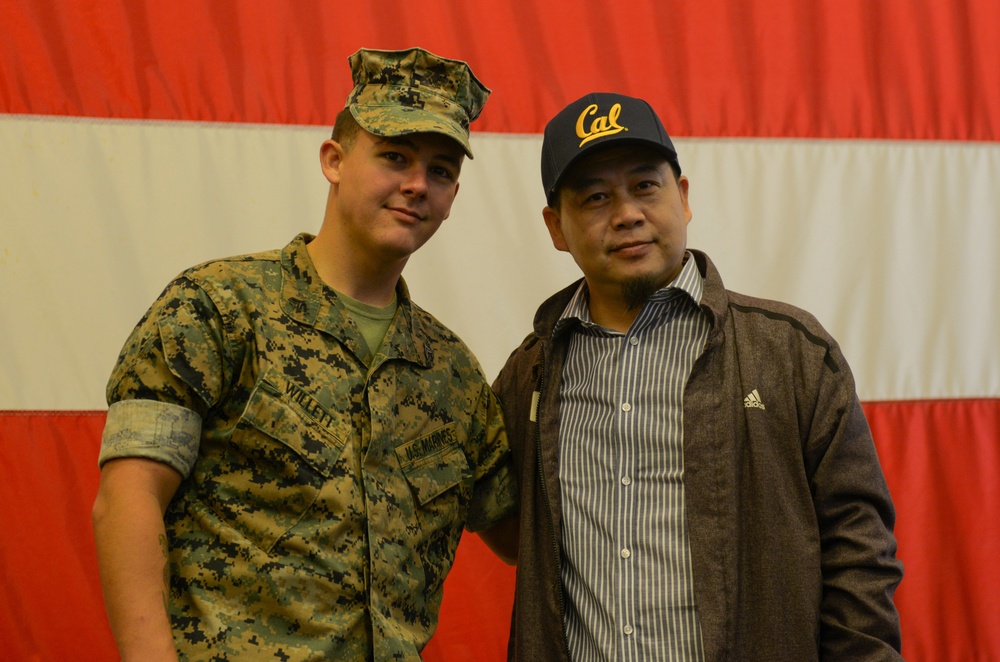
[(308, 300)]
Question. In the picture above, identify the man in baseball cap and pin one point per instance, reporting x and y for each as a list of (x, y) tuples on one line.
[(697, 478), (293, 448), (596, 121)]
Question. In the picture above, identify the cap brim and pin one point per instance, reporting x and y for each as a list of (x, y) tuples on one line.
[(618, 141), (394, 120)]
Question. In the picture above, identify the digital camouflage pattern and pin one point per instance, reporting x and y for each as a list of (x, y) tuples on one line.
[(414, 91), (328, 495)]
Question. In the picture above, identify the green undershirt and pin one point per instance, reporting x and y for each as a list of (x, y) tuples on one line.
[(373, 321)]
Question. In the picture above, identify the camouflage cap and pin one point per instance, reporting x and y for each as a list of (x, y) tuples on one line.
[(414, 91)]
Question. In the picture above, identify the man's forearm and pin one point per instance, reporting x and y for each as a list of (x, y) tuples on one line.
[(502, 539), (132, 559)]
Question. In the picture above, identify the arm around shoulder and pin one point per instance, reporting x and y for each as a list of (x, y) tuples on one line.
[(502, 539)]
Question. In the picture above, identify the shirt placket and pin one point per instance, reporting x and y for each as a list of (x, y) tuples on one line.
[(629, 352)]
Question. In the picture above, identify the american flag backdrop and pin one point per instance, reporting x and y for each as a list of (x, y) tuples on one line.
[(844, 156)]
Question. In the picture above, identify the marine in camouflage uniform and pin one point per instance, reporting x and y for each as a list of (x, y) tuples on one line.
[(325, 488)]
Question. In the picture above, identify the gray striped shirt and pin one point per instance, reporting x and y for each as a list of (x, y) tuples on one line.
[(627, 562)]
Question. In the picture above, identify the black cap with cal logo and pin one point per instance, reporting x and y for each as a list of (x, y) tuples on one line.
[(595, 121)]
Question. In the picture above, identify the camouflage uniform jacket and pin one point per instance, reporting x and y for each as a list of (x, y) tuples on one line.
[(324, 497)]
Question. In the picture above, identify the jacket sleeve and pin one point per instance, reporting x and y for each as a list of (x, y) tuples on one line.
[(512, 386), (858, 619)]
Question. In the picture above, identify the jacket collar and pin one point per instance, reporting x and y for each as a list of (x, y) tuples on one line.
[(714, 301)]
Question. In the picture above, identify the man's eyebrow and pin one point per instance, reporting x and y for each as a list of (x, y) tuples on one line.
[(403, 141), (397, 140), (646, 167), (451, 159), (578, 184)]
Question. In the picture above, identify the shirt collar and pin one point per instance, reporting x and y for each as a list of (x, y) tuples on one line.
[(689, 282)]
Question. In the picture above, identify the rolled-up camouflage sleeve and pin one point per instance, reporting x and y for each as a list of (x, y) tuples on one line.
[(154, 430), (169, 373), (495, 493)]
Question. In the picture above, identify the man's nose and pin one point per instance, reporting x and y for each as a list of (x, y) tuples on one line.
[(415, 183), (627, 214)]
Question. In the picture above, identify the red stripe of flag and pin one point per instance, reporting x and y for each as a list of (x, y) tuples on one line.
[(892, 69)]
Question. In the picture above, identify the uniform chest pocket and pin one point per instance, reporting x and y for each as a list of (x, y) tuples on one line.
[(438, 474), (280, 454)]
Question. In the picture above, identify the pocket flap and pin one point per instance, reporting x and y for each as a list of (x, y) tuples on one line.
[(285, 421), (442, 468)]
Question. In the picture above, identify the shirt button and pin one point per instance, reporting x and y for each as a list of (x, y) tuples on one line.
[(626, 407), (626, 553), (626, 480), (633, 340), (628, 630)]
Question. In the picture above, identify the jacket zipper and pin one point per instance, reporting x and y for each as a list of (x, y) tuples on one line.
[(548, 506)]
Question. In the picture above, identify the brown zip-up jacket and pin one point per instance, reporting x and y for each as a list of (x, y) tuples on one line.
[(789, 514)]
